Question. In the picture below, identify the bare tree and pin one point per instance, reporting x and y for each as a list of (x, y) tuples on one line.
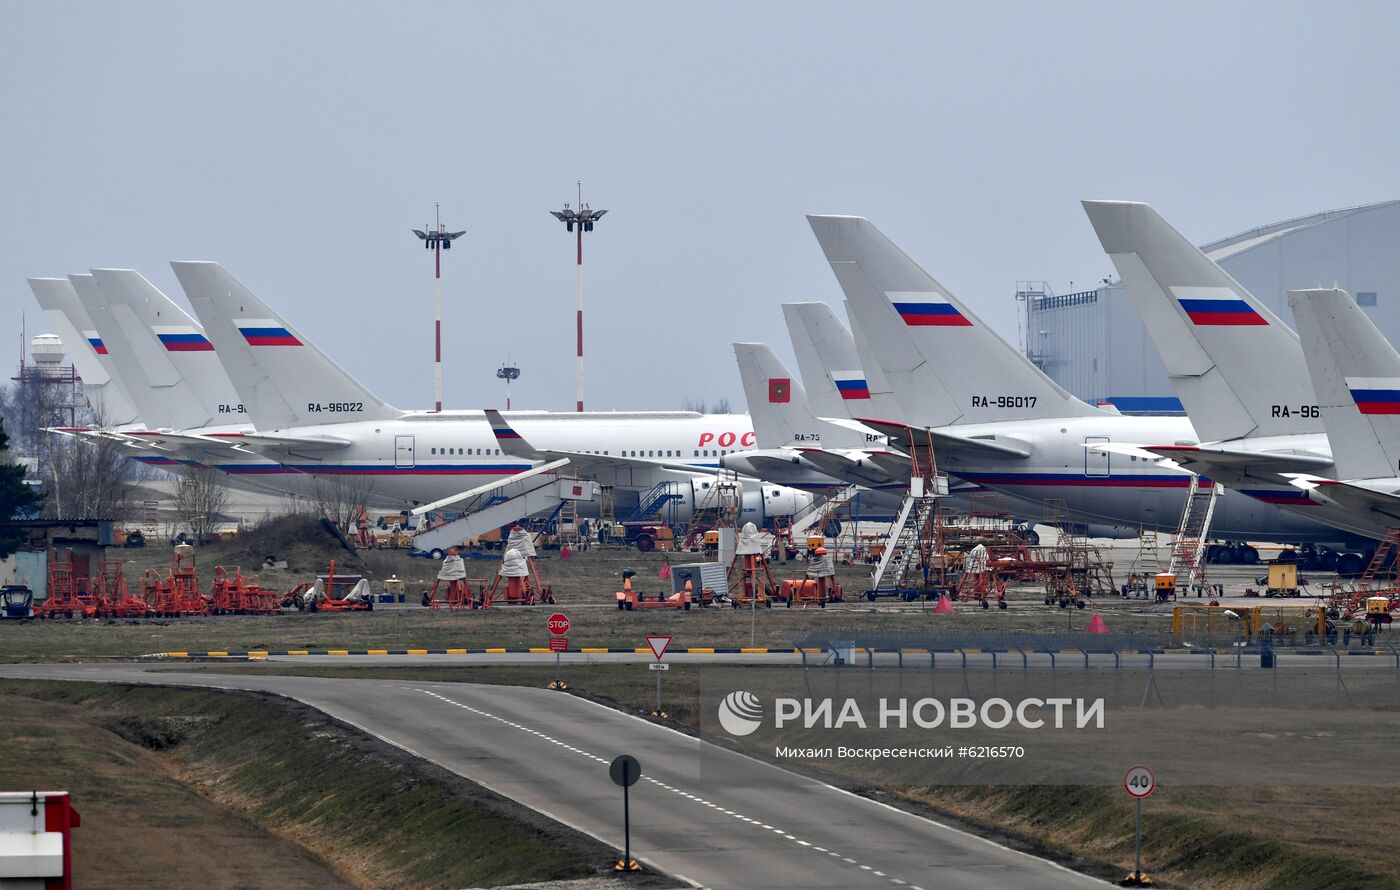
[(339, 498), (700, 406), (200, 499)]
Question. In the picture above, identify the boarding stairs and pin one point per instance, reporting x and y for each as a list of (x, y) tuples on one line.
[(815, 515), (566, 523), (1146, 564), (499, 504), (663, 497), (1379, 578), (1188, 552), (915, 530), (720, 506)]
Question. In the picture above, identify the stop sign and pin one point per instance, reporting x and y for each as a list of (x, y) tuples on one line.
[(558, 624)]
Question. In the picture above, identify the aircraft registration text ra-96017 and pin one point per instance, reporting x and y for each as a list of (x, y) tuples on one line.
[(1003, 401)]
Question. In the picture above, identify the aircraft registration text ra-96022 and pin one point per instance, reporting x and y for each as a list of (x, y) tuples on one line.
[(1003, 401), (334, 407), (230, 409)]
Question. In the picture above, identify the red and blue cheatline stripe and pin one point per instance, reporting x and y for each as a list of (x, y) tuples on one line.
[(1134, 480), (853, 389), (1286, 497), (1377, 401), (932, 315), (186, 343), (504, 432), (1221, 312), (268, 336)]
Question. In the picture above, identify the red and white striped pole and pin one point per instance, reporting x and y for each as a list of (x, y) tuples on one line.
[(578, 221), (579, 381), (437, 320)]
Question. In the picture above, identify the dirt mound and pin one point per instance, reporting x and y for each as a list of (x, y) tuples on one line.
[(307, 543)]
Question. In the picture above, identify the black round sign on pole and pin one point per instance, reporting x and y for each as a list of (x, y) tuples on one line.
[(625, 770)]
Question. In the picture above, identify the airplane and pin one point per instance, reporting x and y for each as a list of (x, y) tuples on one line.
[(164, 358), (1239, 371), (795, 444), (1355, 373), (1014, 429), (313, 417), (105, 393)]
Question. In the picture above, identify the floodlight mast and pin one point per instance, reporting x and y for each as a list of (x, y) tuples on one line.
[(581, 220), (508, 373), (437, 240)]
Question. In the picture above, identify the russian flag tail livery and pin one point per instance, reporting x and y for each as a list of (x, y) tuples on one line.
[(277, 387), (169, 343), (1356, 376), (182, 338), (927, 310), (1216, 306), (86, 349), (511, 442), (941, 363), (1375, 395), (823, 345), (1236, 367), (851, 385), (778, 405), (265, 332)]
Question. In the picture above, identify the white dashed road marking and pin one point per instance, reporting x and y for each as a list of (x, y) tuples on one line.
[(658, 783)]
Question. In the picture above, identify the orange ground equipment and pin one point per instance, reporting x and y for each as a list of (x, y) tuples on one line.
[(755, 585), (117, 600), (629, 599), (339, 593), (981, 580), (232, 594), (819, 587), (522, 585), (176, 593), (458, 590), (68, 595)]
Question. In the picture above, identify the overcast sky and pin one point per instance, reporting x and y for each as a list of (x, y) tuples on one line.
[(297, 143)]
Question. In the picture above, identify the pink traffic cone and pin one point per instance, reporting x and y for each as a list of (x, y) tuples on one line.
[(1096, 625), (944, 607), (665, 573), (564, 552)]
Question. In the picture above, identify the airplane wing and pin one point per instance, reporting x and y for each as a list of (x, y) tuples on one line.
[(961, 448), (1354, 498), (1237, 466), (269, 444), (851, 469), (612, 469)]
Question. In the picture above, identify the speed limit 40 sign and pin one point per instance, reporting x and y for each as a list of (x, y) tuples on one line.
[(1139, 781)]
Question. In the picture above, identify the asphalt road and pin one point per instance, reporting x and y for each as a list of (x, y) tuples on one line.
[(707, 815)]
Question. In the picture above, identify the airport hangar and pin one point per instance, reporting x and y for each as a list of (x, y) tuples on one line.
[(1093, 342)]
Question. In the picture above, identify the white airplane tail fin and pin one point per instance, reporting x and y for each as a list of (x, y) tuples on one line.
[(109, 399), (837, 382), (1356, 375), (778, 405), (179, 339), (281, 379), (1236, 367), (158, 390), (945, 364)]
